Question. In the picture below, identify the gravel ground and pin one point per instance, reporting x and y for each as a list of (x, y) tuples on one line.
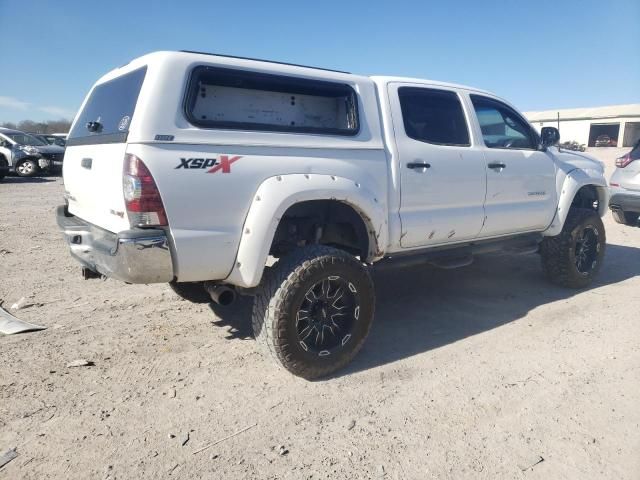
[(481, 372)]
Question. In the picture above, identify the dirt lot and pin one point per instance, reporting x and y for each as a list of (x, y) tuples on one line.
[(480, 372)]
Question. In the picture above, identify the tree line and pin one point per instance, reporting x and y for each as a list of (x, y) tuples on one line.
[(48, 126)]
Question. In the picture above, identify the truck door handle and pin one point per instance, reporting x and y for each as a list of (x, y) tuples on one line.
[(497, 166), (86, 163), (413, 165)]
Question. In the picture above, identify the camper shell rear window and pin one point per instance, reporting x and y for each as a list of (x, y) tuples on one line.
[(223, 98), (110, 106)]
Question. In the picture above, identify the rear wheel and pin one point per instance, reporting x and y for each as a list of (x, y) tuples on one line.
[(314, 310), (574, 257), (27, 168)]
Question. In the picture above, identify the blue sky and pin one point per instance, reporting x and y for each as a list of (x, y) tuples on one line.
[(538, 54)]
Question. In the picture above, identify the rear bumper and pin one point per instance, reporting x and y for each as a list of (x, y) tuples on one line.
[(132, 256), (625, 202)]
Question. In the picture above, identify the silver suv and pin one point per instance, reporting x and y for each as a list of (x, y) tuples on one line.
[(26, 155), (625, 188)]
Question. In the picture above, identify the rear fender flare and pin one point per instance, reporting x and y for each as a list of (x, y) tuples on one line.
[(276, 194)]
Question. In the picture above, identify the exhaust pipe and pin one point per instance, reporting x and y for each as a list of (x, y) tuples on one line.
[(221, 294)]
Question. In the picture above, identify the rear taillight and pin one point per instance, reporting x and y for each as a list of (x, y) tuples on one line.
[(624, 160), (141, 195)]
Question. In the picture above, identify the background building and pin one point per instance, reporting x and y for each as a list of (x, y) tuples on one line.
[(621, 123)]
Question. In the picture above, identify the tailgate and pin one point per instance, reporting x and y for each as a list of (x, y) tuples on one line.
[(96, 147), (93, 184)]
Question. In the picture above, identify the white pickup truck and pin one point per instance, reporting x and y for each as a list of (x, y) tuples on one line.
[(199, 170)]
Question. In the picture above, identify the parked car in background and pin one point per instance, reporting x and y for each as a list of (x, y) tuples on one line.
[(606, 141), (51, 139), (4, 167), (27, 155), (625, 188), (573, 146)]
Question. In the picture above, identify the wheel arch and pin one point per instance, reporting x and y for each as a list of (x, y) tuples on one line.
[(582, 189), (323, 221), (279, 196)]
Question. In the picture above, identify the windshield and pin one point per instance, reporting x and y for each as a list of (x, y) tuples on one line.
[(25, 139)]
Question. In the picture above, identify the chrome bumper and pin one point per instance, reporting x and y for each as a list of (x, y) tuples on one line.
[(132, 256)]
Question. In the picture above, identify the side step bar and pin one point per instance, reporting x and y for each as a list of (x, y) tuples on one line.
[(462, 255)]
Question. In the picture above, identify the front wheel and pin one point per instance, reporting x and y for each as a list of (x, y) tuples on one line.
[(314, 310), (574, 257), (4, 167), (28, 168)]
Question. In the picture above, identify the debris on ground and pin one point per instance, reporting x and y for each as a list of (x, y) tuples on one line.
[(352, 424), (225, 438), (530, 462), (22, 303), (185, 439), (282, 450), (80, 363), (75, 305), (10, 324), (7, 456)]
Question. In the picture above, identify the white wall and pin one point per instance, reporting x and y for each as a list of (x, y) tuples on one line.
[(578, 130)]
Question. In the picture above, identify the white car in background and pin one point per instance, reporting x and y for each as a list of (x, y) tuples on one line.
[(625, 188)]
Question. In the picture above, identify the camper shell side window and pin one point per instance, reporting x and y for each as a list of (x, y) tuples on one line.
[(222, 98)]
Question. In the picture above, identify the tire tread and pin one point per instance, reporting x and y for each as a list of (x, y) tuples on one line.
[(555, 251), (278, 286)]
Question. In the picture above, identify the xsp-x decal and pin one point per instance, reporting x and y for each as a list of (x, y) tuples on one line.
[(213, 164)]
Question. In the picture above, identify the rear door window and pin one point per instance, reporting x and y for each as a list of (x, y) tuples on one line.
[(223, 98), (433, 116), (110, 107)]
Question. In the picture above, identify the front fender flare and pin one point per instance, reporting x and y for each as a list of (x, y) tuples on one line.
[(276, 194), (574, 181)]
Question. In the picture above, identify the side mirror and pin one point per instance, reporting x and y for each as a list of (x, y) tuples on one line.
[(550, 136)]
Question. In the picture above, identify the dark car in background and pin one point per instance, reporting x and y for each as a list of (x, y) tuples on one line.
[(26, 155), (606, 141), (51, 139)]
